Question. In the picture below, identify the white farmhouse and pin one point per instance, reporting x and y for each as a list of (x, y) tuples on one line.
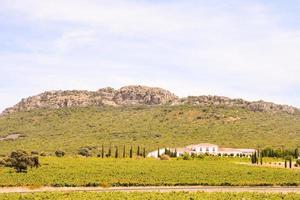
[(205, 148)]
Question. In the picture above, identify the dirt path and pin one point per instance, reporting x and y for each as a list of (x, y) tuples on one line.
[(154, 189)]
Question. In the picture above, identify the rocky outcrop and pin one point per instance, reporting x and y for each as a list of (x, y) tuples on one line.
[(139, 95), (256, 106), (125, 96), (135, 95)]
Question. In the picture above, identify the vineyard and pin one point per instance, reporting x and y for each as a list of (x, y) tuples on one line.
[(149, 196), (81, 171)]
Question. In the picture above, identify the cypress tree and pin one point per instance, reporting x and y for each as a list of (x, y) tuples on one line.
[(158, 155), (117, 152), (102, 151), (166, 151), (138, 151), (144, 152), (124, 151), (285, 163), (296, 153), (290, 162), (130, 152), (257, 156), (109, 151), (253, 158), (175, 153)]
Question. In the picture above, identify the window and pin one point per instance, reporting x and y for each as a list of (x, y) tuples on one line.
[(214, 149), (200, 148), (207, 148)]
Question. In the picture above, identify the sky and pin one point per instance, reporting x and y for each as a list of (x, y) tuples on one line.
[(235, 48)]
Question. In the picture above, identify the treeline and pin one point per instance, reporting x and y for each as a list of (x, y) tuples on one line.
[(287, 155), (168, 152), (280, 153), (109, 152)]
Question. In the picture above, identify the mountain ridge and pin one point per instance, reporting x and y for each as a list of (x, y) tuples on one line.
[(135, 95)]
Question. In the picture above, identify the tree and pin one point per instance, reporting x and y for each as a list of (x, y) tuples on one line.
[(102, 151), (288, 159), (116, 152), (124, 151), (296, 154), (254, 158), (158, 154), (166, 151), (138, 151), (144, 152), (130, 152), (21, 160), (285, 163), (109, 151), (175, 153), (258, 153)]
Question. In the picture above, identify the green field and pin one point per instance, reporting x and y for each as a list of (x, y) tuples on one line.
[(149, 196), (145, 172), (150, 127)]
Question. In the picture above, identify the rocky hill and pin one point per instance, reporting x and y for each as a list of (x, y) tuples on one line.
[(135, 95), (125, 96)]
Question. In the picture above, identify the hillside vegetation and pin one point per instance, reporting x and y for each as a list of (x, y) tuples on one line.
[(148, 126)]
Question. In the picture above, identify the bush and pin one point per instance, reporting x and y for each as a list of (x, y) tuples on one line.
[(201, 156), (164, 157), (21, 160), (2, 162), (34, 153), (298, 162), (85, 152), (186, 156), (59, 153), (194, 155), (43, 154)]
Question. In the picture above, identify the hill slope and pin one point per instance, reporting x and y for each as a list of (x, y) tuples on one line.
[(139, 115), (149, 126)]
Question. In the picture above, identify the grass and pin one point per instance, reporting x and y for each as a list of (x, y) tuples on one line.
[(152, 127), (70, 171), (149, 196)]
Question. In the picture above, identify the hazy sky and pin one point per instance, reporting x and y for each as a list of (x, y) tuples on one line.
[(248, 49)]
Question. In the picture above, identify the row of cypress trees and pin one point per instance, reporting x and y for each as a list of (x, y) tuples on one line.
[(280, 153), (257, 158), (167, 152), (139, 152)]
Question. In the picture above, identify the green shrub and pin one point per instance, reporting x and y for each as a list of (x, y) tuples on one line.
[(21, 160), (43, 154), (59, 153), (34, 153), (186, 156), (201, 156), (84, 152), (2, 162)]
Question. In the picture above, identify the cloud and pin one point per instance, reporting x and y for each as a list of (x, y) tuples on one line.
[(233, 48)]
